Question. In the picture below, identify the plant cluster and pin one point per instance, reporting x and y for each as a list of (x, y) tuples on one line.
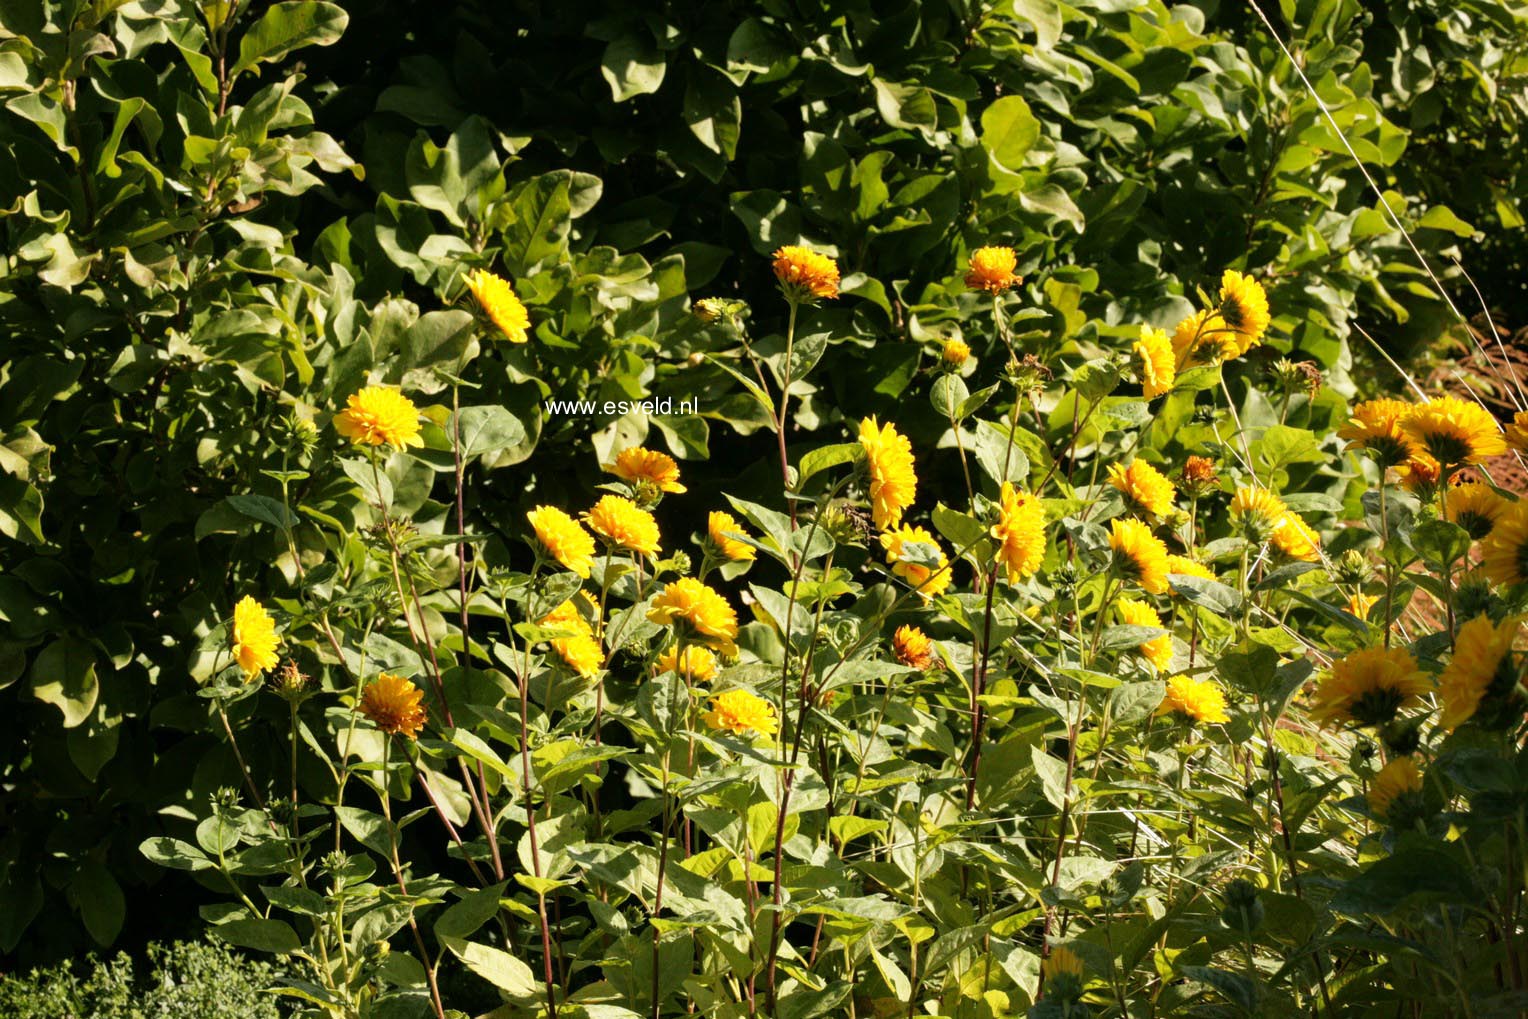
[(1034, 617)]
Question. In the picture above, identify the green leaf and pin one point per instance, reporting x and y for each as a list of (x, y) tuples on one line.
[(174, 853), (632, 66), (1134, 702), (261, 935), (1009, 131), (100, 901), (465, 917), (288, 26), (1126, 635), (1440, 543), (820, 459), (1052, 774), (484, 430), (543, 217), (949, 395), (1210, 594), (264, 509), (64, 676), (498, 967)]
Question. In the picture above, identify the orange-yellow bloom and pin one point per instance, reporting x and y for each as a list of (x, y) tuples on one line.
[(1376, 428), (1400, 778), (1454, 431), (1139, 555), (499, 302), (1020, 531), (1474, 507), (1158, 650), (1482, 666), (581, 649), (1198, 700), (1505, 549), (254, 637), (719, 528), (393, 705), (699, 663), (742, 712), (1158, 365), (1144, 487), (805, 275), (912, 647), (929, 580), (992, 269), (638, 465), (378, 415), (564, 538), (893, 482), (710, 619), (1244, 308), (1369, 687), (625, 525)]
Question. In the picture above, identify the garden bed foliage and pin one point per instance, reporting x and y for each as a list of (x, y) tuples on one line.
[(1029, 599)]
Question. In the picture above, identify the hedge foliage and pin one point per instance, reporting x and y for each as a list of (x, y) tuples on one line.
[(223, 219)]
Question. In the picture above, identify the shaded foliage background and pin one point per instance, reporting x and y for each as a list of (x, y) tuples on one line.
[(196, 247)]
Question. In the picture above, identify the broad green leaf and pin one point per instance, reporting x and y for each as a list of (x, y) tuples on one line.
[(288, 26)]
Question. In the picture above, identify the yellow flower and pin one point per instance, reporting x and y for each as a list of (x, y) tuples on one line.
[(1505, 549), (1360, 604), (1397, 779), (929, 581), (1517, 432), (637, 465), (254, 637), (1159, 650), (564, 538), (1257, 513), (1420, 475), (718, 526), (955, 352), (1369, 687), (912, 647), (1020, 531), (1186, 567), (893, 482), (1482, 664), (741, 712), (699, 663), (1474, 507), (581, 650), (499, 302), (805, 275), (1454, 431), (1376, 427), (622, 523), (1198, 700), (1139, 555), (1294, 537), (707, 614), (1158, 364), (1062, 960), (1202, 338), (1244, 308), (393, 705), (1146, 488), (378, 415), (992, 269)]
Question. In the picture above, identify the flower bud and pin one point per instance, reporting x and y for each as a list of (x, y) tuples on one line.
[(1243, 910)]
